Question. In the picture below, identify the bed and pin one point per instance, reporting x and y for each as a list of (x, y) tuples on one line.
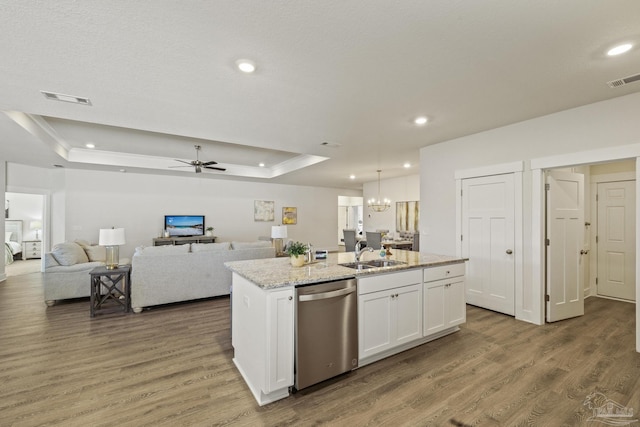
[(12, 240)]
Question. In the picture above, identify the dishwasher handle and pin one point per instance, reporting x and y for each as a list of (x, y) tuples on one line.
[(327, 295)]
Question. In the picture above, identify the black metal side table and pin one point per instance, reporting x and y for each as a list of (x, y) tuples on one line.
[(110, 287)]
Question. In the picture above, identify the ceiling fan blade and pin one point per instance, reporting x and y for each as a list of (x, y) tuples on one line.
[(209, 163), (215, 168), (182, 161), (185, 166)]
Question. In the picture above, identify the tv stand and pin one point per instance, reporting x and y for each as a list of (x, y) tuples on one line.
[(161, 241)]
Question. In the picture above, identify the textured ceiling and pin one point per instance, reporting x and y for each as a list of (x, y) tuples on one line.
[(161, 77)]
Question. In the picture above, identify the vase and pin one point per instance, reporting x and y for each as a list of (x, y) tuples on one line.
[(297, 260)]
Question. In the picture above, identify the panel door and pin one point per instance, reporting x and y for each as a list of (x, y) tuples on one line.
[(435, 307), (407, 304), (488, 240), (374, 323), (281, 336), (456, 307), (565, 238), (617, 239)]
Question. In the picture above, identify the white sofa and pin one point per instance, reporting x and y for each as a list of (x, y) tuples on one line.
[(167, 274), (67, 267)]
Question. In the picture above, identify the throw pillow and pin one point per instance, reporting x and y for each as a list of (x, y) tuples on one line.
[(250, 245), (210, 247), (94, 252), (69, 253)]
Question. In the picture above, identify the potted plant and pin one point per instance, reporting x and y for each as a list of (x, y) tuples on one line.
[(209, 231), (296, 253)]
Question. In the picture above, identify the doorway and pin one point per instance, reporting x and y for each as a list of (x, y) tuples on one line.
[(350, 216), (27, 212), (599, 258)]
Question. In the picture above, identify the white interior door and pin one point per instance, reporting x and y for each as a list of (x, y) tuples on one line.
[(565, 238), (488, 239), (617, 239)]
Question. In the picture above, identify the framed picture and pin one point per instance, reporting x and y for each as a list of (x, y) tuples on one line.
[(263, 210), (407, 216), (289, 216)]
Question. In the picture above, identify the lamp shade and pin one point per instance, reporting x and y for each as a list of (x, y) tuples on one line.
[(279, 232), (35, 225), (111, 237)]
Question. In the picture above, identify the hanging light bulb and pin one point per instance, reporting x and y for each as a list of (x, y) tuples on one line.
[(379, 205)]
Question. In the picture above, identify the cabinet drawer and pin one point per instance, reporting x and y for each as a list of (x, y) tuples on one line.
[(443, 272), (388, 281)]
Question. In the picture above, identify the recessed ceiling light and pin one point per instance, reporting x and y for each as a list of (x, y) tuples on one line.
[(420, 120), (90, 145), (65, 98), (620, 49), (352, 177), (123, 170), (261, 164), (407, 165), (246, 66)]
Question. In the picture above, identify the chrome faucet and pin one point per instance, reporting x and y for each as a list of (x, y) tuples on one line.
[(358, 252)]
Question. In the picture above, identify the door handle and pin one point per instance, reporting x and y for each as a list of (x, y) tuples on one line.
[(509, 251), (584, 252)]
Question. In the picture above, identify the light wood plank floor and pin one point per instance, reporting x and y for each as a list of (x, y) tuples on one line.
[(172, 366)]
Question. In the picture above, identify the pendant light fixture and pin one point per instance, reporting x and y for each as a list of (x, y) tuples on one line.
[(379, 205)]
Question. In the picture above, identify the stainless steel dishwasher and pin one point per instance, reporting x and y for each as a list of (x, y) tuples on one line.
[(326, 331)]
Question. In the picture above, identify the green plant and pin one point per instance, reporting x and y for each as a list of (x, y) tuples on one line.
[(209, 228), (296, 249)]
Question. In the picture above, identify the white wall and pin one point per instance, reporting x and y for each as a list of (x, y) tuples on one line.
[(85, 201), (598, 126), (403, 189)]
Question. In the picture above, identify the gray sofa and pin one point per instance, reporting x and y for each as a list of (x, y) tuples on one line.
[(67, 267), (166, 274)]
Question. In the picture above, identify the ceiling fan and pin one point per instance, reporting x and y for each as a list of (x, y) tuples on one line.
[(197, 164)]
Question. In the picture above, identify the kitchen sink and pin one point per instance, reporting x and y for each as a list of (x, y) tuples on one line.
[(384, 263), (363, 265), (357, 265)]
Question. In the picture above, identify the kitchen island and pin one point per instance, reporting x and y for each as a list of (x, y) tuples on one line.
[(419, 298)]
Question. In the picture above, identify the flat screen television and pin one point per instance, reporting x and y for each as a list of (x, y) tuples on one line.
[(184, 225)]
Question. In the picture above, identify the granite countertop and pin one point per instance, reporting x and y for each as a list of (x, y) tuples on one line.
[(274, 273)]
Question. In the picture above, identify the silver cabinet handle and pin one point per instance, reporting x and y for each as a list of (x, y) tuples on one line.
[(509, 251)]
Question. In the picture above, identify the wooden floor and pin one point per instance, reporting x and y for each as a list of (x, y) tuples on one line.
[(172, 366)]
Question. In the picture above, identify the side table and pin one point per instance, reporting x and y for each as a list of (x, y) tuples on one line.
[(110, 286)]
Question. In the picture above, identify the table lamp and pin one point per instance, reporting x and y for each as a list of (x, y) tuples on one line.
[(37, 226), (278, 232), (111, 238)]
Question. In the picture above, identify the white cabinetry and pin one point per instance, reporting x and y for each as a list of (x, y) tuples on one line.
[(444, 298), (389, 313), (262, 338)]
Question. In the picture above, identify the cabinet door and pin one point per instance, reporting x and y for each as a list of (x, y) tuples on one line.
[(407, 312), (374, 323), (456, 304), (435, 307), (280, 332)]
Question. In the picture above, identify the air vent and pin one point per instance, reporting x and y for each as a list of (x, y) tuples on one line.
[(66, 98), (623, 81)]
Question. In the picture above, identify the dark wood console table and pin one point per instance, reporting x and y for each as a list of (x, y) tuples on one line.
[(160, 241)]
